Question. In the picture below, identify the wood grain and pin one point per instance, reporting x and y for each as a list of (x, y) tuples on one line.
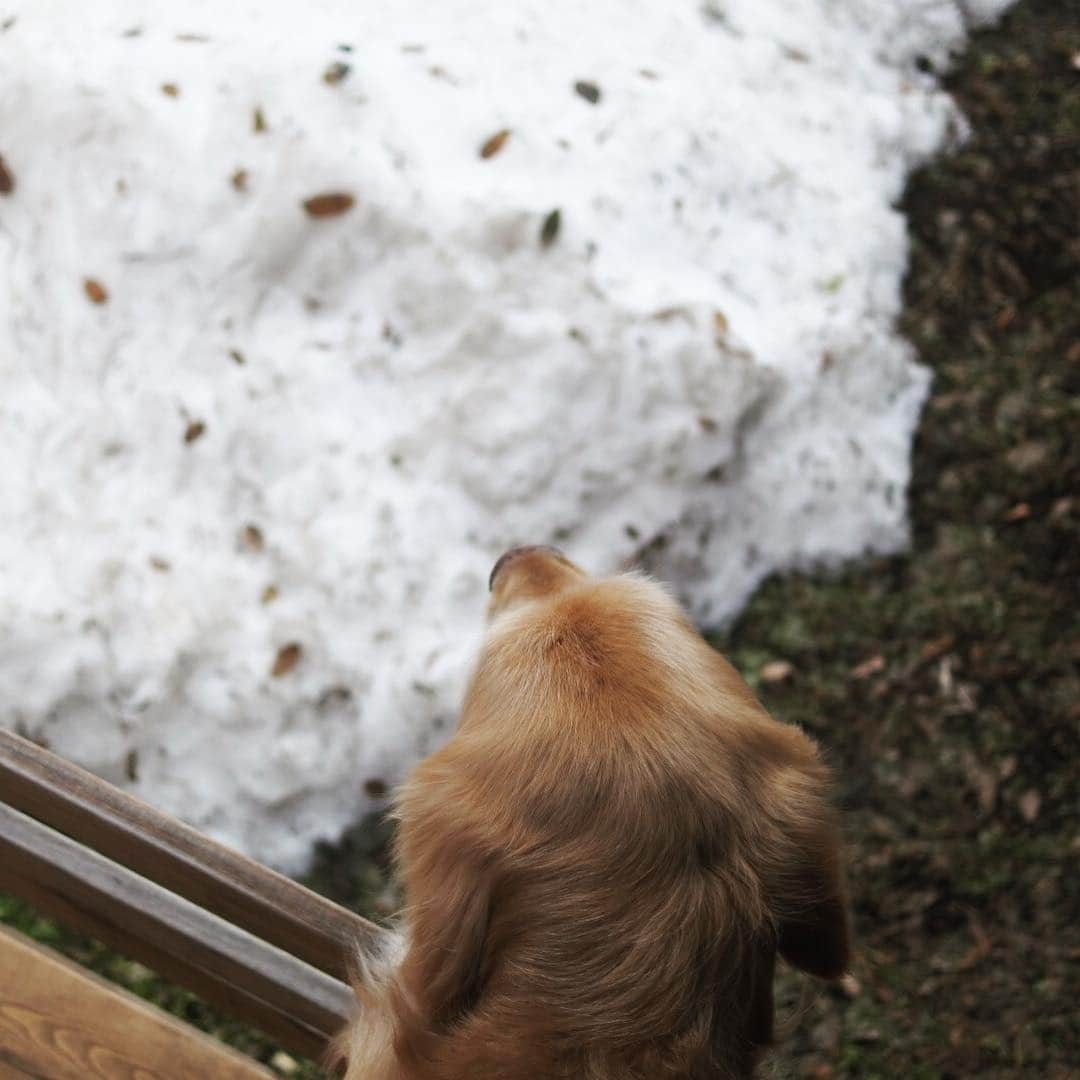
[(61, 1022), (189, 864), (247, 978)]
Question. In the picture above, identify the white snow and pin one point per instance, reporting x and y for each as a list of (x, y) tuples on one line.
[(702, 364)]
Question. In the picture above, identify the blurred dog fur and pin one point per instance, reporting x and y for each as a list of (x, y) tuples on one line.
[(603, 862)]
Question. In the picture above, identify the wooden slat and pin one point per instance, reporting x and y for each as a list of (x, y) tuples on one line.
[(59, 1021), (247, 978), (187, 863)]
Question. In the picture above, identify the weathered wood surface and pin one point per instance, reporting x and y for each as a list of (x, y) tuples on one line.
[(245, 977), (63, 1023), (187, 863)]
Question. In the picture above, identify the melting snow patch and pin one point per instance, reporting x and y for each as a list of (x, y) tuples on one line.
[(308, 311)]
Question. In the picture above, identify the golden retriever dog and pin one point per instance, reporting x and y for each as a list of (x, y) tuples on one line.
[(601, 865)]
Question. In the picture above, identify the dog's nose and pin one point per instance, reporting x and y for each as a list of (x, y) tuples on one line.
[(516, 553)]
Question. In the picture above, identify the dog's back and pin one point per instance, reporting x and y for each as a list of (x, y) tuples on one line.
[(602, 863)]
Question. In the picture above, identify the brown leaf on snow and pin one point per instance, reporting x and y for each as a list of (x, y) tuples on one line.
[(194, 430), (170, 89), (493, 145), (7, 181), (550, 229), (868, 667), (96, 292), (336, 72), (287, 658), (588, 90), (253, 537), (329, 204)]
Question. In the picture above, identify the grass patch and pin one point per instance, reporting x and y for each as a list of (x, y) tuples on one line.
[(944, 684)]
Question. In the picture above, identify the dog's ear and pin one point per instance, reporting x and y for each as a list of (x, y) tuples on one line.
[(800, 852), (811, 904)]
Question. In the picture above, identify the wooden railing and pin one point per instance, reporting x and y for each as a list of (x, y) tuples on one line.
[(258, 946)]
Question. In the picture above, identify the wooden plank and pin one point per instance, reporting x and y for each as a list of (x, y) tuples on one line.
[(164, 850), (59, 1021), (187, 863), (291, 1001)]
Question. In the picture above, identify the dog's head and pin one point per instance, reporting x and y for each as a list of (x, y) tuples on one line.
[(629, 640), (530, 573)]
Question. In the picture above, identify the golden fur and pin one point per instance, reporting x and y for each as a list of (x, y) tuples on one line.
[(602, 863)]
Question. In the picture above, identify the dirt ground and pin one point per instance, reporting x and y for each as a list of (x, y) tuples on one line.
[(943, 684)]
